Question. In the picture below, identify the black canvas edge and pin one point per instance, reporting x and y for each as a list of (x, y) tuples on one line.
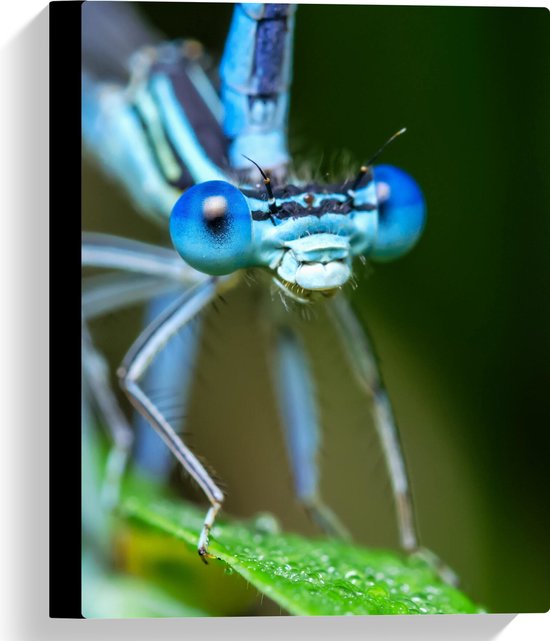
[(65, 364)]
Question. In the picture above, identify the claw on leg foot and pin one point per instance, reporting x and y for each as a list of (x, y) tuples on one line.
[(203, 539), (205, 555)]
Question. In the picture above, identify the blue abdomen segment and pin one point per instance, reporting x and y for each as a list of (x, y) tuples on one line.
[(255, 73), (401, 213), (211, 228)]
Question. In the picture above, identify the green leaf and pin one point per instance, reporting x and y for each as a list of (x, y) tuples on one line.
[(113, 595), (304, 576)]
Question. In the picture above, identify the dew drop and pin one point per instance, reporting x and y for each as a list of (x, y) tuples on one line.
[(352, 576), (378, 592), (266, 523)]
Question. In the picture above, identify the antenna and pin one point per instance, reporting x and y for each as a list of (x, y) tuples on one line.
[(388, 141), (273, 207), (365, 168)]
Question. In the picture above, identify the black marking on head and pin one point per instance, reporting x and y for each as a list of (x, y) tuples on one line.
[(294, 209), (328, 206)]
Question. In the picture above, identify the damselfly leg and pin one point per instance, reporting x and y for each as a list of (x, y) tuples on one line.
[(362, 359), (135, 365), (150, 271), (297, 400)]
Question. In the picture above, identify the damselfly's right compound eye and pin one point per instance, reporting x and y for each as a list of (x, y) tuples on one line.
[(211, 228), (401, 212)]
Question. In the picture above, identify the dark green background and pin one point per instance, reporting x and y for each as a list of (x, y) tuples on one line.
[(461, 324)]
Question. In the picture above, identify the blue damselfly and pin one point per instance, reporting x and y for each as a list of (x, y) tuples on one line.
[(214, 168)]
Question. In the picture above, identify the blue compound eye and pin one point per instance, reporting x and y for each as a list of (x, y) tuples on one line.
[(211, 228), (401, 212)]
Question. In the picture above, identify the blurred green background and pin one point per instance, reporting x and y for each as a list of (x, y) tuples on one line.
[(460, 324)]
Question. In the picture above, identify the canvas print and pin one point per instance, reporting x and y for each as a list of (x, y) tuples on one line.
[(311, 342)]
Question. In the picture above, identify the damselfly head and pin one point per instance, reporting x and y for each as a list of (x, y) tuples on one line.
[(307, 235)]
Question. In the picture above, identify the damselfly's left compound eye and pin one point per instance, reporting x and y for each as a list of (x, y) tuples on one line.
[(401, 212), (211, 228)]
